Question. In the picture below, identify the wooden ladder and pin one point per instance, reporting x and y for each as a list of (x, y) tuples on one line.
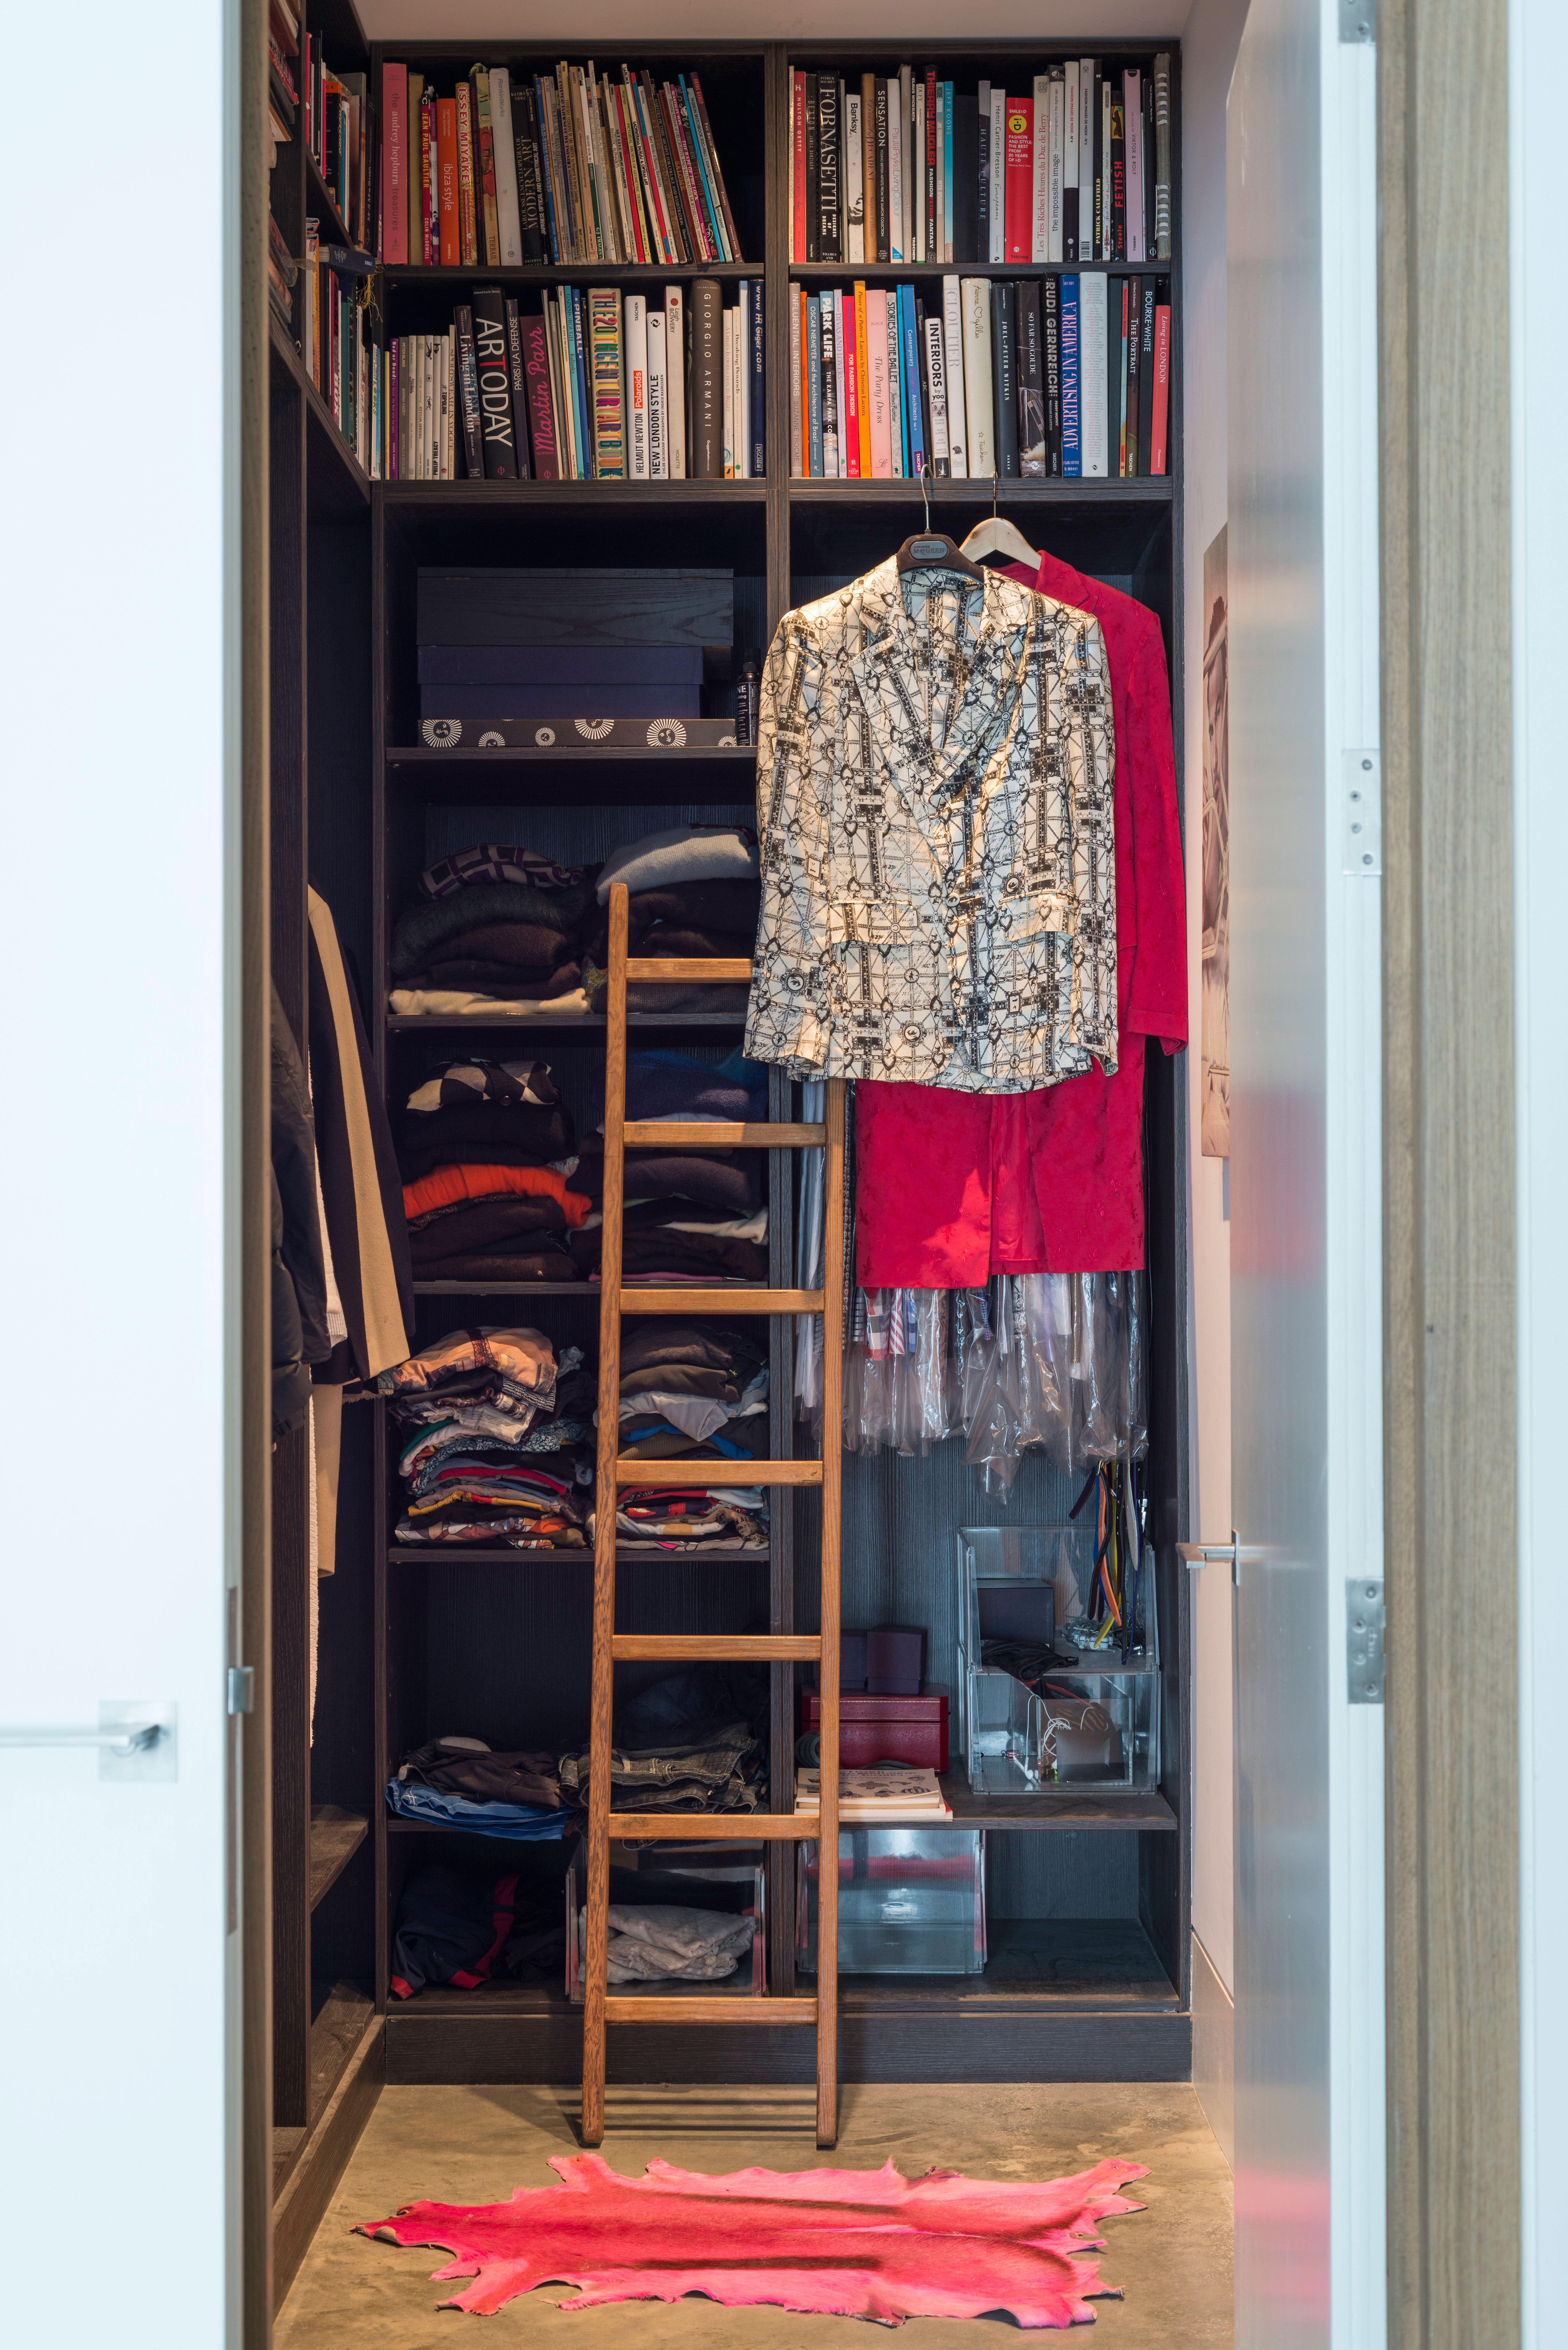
[(611, 1648)]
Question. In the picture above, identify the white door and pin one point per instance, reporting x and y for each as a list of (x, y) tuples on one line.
[(1304, 1019), (117, 1958)]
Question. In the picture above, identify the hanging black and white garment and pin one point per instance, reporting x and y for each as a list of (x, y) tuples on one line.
[(934, 774)]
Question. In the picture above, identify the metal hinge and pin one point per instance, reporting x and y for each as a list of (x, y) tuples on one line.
[(1363, 813), (1358, 20), (1364, 1660), (241, 1688)]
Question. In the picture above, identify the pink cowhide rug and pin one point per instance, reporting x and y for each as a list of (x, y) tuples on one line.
[(850, 2244)]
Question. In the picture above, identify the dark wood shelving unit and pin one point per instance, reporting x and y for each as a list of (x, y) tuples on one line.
[(494, 1640), (336, 1835)]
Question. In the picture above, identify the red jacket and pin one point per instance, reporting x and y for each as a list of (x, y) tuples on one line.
[(952, 1187)]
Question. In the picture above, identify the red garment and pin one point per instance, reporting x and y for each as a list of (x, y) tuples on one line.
[(952, 1187)]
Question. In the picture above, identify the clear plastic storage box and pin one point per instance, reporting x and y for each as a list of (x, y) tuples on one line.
[(1090, 1720), (911, 1901)]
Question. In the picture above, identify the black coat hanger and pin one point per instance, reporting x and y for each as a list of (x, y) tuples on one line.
[(933, 550)]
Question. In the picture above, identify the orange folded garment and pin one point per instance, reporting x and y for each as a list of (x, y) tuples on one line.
[(445, 1186)]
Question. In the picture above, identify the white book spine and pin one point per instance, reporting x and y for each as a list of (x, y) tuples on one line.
[(839, 300), (937, 382), (979, 407), (1093, 320), (953, 359), (1137, 161), (1069, 149), (853, 179), (912, 165), (508, 215), (637, 461), (658, 397), (998, 172), (727, 369), (675, 374), (1040, 173), (917, 140), (895, 388), (1058, 167), (897, 249), (427, 386)]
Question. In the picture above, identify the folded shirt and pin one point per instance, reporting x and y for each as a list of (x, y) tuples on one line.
[(678, 1253), (694, 1416), (484, 1225), (473, 1080), (731, 907), (467, 1766), (683, 1378), (517, 1822), (449, 1004), (648, 1437), (730, 1180), (446, 1187), (427, 926), (516, 1364), (686, 852), (669, 1085), (532, 946), (494, 1133), (682, 1932), (500, 861), (716, 1346)]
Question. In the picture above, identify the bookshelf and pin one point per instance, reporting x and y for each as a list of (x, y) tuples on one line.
[(497, 1643)]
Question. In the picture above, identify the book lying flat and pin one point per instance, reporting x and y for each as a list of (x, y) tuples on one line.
[(595, 733), (877, 1794)]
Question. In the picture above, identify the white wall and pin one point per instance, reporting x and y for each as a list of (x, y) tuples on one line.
[(1538, 64), (114, 605), (1210, 42)]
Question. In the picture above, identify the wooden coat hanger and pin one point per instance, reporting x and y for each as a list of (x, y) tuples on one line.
[(997, 536), (933, 549)]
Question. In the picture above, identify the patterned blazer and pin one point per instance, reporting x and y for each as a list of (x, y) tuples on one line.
[(934, 771)]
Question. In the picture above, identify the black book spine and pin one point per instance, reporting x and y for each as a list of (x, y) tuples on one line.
[(496, 424), (1145, 376), (524, 142), (1097, 251), (884, 252), (813, 172), (1031, 382), (468, 392), (829, 233), (966, 182), (756, 358), (1135, 349), (519, 386), (1119, 173), (705, 447), (1050, 337), (982, 186), (1004, 367)]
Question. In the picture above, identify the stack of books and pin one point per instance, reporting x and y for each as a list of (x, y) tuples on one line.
[(570, 168), (593, 386), (906, 168), (338, 132), (1016, 378), (346, 367), (875, 1796), (282, 94)]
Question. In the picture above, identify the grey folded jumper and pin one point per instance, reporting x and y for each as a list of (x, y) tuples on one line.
[(661, 1942)]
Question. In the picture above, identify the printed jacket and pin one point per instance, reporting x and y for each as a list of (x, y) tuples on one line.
[(934, 800)]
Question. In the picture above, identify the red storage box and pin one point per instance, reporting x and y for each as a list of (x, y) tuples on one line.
[(909, 1730)]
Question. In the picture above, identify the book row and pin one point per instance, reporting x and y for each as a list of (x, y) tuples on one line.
[(594, 385), (1067, 376), (342, 359), (906, 167), (570, 168)]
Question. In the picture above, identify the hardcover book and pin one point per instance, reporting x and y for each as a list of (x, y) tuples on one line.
[(1018, 180), (706, 399), (1031, 381), (1051, 355), (1004, 365), (496, 423), (829, 222), (467, 393)]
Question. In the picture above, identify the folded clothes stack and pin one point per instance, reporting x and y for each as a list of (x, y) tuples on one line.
[(459, 1782), (457, 1927), (691, 1219), (486, 1154), (695, 894), (662, 1942), (692, 1391), (489, 1423), (706, 1766), (496, 929)]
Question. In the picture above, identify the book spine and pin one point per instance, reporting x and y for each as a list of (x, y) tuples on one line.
[(797, 386), (812, 161), (1004, 363), (1070, 143), (797, 242), (658, 400), (980, 423), (659, 230), (1162, 156), (1119, 175), (676, 340), (685, 165), (733, 243), (394, 165), (532, 229), (928, 234), (617, 199), (609, 384), (1145, 375), (647, 251), (1084, 70), (496, 421), (1161, 419), (554, 352), (1116, 387), (707, 463), (1051, 361), (1057, 181), (394, 410), (829, 227), (830, 380), (812, 385), (450, 256), (508, 199), (1031, 369), (982, 193), (1019, 170), (563, 108), (949, 251), (1092, 374), (1132, 101), (682, 249), (879, 131), (468, 392), (954, 369), (911, 372), (1072, 438), (937, 387), (877, 452), (541, 418), (1102, 165), (756, 358), (908, 162), (850, 391), (1039, 245), (468, 218), (578, 365), (854, 182), (488, 212), (898, 425), (862, 380), (868, 161), (638, 466), (707, 200), (898, 141), (413, 117)]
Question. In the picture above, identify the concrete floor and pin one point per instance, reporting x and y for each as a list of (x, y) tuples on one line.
[(475, 2145)]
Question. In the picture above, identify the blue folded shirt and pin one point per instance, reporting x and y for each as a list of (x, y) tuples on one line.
[(520, 1823)]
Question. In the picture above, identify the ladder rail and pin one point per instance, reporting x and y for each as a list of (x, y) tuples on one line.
[(613, 1472)]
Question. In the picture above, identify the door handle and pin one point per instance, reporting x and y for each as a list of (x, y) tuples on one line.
[(1197, 1554), (137, 1738)]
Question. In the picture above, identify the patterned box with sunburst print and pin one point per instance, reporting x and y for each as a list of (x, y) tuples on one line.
[(579, 733)]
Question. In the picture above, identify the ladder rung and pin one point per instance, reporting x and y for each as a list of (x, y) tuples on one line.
[(720, 1301), (718, 1648), (736, 2009), (712, 1828), (697, 967), (718, 1473), (710, 1134)]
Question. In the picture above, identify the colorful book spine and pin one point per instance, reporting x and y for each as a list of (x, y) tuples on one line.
[(609, 391), (815, 451), (1071, 440), (544, 443)]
